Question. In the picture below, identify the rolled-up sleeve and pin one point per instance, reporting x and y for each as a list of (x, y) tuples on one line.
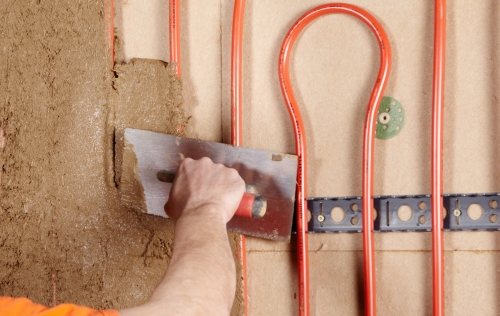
[(25, 307)]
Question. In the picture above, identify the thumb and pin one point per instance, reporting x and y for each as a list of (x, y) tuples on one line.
[(170, 210)]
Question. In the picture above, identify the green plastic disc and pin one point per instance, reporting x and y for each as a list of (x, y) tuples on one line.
[(390, 119)]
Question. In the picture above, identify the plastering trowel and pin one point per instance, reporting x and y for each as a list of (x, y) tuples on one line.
[(150, 160)]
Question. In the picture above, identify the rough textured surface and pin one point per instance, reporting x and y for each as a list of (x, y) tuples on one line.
[(64, 237), (148, 96)]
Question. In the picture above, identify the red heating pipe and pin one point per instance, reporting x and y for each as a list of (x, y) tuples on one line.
[(368, 149), (237, 116), (174, 30), (236, 73), (437, 157), (175, 34)]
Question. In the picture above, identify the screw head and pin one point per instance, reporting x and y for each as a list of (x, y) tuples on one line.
[(457, 213), (384, 118), (321, 218)]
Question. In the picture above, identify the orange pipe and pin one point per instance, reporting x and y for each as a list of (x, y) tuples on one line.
[(175, 34), (368, 149), (174, 29), (236, 73), (437, 157), (237, 115)]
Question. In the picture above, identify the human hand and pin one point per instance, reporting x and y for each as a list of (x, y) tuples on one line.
[(202, 187)]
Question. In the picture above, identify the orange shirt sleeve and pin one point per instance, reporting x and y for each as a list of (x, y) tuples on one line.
[(25, 307)]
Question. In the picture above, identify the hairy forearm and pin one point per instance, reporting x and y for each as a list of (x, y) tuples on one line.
[(201, 277), (202, 268)]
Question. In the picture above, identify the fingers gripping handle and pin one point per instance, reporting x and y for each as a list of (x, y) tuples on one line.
[(252, 205)]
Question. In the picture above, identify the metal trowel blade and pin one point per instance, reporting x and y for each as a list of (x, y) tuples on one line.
[(272, 174)]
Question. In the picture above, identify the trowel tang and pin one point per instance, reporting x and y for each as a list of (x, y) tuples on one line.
[(252, 205)]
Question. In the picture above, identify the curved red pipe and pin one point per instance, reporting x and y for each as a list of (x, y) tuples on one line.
[(437, 157), (368, 148), (237, 115)]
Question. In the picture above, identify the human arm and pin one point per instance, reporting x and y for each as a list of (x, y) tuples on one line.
[(201, 278)]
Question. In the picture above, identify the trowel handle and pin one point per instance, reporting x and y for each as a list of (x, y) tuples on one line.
[(252, 205)]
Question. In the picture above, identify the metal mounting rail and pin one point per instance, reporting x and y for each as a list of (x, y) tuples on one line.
[(462, 212)]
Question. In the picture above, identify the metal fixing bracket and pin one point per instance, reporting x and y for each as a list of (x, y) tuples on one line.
[(405, 213)]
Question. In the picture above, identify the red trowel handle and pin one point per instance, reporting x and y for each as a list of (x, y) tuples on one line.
[(252, 205)]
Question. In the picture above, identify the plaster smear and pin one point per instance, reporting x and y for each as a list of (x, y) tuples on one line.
[(64, 236)]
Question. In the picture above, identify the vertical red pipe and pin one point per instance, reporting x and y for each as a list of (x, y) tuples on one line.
[(437, 157), (175, 34), (368, 148), (236, 114), (236, 73), (300, 151)]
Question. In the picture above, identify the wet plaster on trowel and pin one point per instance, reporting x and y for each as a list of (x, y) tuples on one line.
[(147, 96), (64, 235)]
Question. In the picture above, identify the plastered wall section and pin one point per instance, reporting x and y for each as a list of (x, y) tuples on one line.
[(142, 26), (334, 65)]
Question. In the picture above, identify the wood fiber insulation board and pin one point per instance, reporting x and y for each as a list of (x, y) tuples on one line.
[(333, 68)]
